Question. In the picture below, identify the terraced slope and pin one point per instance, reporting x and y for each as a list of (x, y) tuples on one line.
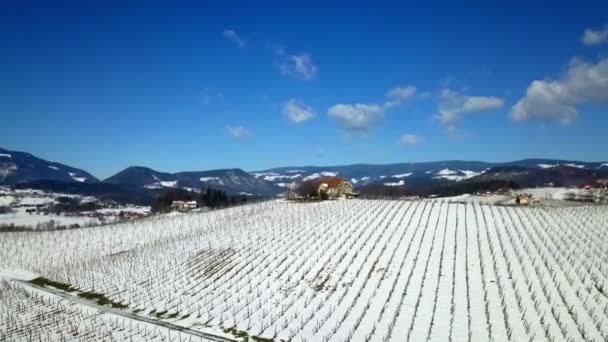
[(344, 270)]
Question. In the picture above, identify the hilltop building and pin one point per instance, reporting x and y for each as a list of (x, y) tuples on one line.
[(334, 187)]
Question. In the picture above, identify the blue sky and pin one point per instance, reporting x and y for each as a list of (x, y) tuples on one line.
[(103, 85)]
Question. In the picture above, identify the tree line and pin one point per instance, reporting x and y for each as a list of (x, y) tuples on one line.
[(210, 198)]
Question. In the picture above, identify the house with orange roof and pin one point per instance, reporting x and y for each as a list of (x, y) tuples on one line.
[(334, 187)]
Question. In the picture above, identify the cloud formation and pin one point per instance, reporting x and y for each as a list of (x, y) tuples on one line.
[(453, 105), (398, 95), (238, 132), (234, 37), (359, 118), (297, 113), (299, 66), (356, 117), (595, 37), (410, 139), (556, 100)]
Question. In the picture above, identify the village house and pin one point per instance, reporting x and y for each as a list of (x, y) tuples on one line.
[(335, 187), (184, 205)]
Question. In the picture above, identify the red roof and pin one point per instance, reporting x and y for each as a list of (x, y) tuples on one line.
[(332, 182)]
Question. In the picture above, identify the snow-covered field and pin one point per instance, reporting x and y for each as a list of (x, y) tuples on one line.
[(22, 201), (359, 270), (547, 197), (19, 217)]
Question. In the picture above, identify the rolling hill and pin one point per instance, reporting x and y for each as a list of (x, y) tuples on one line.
[(21, 167)]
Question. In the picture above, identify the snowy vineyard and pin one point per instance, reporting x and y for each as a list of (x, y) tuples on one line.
[(332, 271)]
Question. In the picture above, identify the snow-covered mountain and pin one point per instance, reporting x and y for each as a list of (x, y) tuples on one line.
[(408, 174), (20, 167), (566, 174), (234, 181), (136, 181)]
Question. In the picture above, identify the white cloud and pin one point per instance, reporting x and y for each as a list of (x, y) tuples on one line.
[(234, 37), (357, 117), (297, 113), (238, 132), (398, 95), (361, 117), (299, 66), (550, 100), (595, 37), (410, 139), (452, 105)]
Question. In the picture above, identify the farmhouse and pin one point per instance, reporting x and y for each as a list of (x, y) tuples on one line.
[(184, 205), (334, 187)]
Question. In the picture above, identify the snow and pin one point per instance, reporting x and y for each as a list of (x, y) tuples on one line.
[(43, 310), (207, 179), (399, 183), (547, 166), (456, 178), (354, 180), (35, 200), (5, 155), (478, 199), (364, 179), (17, 275), (260, 174), (604, 165), (21, 218), (245, 193), (53, 167), (161, 184), (153, 186), (7, 170), (470, 174), (311, 177), (455, 175), (116, 211), (272, 178), (446, 172), (414, 270), (78, 179), (6, 200), (320, 174), (403, 175), (579, 166)]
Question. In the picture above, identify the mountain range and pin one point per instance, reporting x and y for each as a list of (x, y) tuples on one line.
[(25, 170), (20, 167)]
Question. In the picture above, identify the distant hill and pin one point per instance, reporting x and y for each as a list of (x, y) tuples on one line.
[(233, 181), (531, 172), (440, 177), (559, 175), (20, 167)]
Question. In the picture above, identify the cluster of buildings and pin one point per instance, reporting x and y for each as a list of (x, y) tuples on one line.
[(324, 188), (184, 206)]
